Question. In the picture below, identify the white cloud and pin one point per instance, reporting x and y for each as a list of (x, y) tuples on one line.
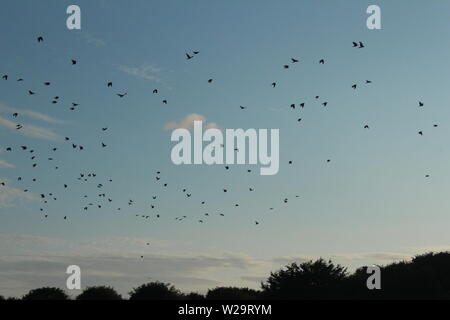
[(31, 114), (145, 71), (94, 41), (9, 195), (31, 130), (6, 165), (188, 122)]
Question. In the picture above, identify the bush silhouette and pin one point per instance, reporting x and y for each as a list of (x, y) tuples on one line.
[(99, 293), (318, 279), (232, 293), (156, 291), (2, 298), (46, 293)]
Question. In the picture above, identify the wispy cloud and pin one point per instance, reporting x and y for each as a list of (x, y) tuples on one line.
[(93, 40), (30, 114), (9, 195), (117, 262), (188, 122), (6, 165), (31, 130), (145, 71)]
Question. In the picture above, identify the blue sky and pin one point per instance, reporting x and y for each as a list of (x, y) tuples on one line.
[(370, 204)]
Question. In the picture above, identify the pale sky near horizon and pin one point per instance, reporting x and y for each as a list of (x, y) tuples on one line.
[(371, 204)]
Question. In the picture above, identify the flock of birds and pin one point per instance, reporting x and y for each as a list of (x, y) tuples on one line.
[(92, 176)]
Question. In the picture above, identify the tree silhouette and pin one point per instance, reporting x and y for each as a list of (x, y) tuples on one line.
[(46, 293), (156, 291), (426, 276), (232, 293), (310, 280), (99, 293), (194, 296)]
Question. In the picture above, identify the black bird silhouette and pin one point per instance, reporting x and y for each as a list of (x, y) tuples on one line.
[(354, 86), (165, 101), (421, 104), (355, 44), (47, 83), (366, 127), (294, 60), (15, 115), (109, 84), (188, 57), (121, 95), (361, 45), (73, 61), (196, 52), (30, 92), (5, 77), (286, 66), (210, 80), (40, 39), (322, 61), (155, 91), (274, 84)]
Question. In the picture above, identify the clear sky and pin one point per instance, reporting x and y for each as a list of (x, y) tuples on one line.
[(370, 204)]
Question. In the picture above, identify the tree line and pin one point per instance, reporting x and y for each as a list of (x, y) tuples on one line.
[(426, 276)]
